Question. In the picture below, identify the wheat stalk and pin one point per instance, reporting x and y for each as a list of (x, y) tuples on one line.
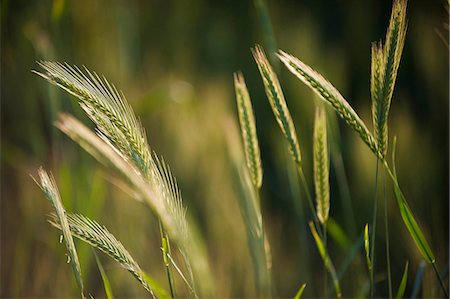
[(321, 165), (48, 185), (248, 130), (330, 95), (99, 237), (384, 69), (277, 102)]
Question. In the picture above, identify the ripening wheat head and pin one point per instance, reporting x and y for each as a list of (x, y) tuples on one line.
[(106, 107), (384, 69), (248, 130), (328, 93), (99, 237), (321, 165), (48, 185), (277, 102)]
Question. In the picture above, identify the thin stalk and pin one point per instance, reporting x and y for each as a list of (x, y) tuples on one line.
[(374, 226), (309, 198), (440, 280), (325, 268), (386, 232), (165, 247)]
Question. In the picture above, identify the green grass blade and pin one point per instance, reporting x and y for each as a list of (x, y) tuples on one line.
[(338, 234), (159, 291), (300, 291), (105, 279), (277, 102), (367, 247), (402, 286), (321, 166), (48, 185), (248, 130), (326, 259), (328, 93), (407, 216)]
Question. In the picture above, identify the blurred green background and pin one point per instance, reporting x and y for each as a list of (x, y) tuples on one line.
[(174, 61)]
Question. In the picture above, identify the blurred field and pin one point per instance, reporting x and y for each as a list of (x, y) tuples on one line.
[(174, 61)]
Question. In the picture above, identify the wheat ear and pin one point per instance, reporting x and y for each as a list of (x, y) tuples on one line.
[(321, 165), (330, 95), (384, 69), (248, 130), (48, 185), (277, 102), (99, 237), (107, 108)]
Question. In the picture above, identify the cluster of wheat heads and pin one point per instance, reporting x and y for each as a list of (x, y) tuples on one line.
[(120, 144), (384, 69)]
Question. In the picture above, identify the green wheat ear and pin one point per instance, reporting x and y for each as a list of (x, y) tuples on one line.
[(277, 102), (48, 185), (99, 237), (321, 165), (330, 95), (248, 130), (107, 108), (384, 68)]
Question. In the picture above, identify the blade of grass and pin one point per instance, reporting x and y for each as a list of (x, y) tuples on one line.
[(402, 286), (300, 291), (106, 283), (326, 259)]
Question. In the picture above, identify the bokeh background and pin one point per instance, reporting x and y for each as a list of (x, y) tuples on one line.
[(174, 61)]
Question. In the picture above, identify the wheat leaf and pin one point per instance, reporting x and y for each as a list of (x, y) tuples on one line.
[(330, 95), (48, 185), (408, 218), (300, 291), (99, 237), (321, 165), (402, 286), (105, 279), (248, 130), (277, 102), (326, 259)]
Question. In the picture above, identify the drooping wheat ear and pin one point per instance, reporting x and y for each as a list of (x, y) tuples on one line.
[(385, 64), (277, 102), (248, 130), (321, 165), (99, 237), (330, 95), (48, 185), (106, 107), (166, 186)]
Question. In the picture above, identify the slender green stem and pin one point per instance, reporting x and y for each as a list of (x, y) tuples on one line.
[(165, 249), (386, 232), (309, 198), (374, 226), (325, 268), (440, 280)]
